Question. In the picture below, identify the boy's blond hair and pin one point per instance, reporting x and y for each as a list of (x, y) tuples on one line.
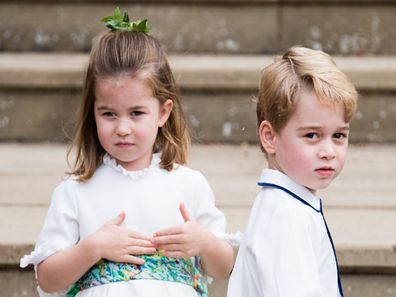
[(302, 69)]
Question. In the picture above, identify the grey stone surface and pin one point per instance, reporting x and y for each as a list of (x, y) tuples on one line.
[(181, 27), (39, 96), (367, 180), (39, 114), (341, 28), (359, 207), (192, 72), (352, 27), (375, 119), (18, 283)]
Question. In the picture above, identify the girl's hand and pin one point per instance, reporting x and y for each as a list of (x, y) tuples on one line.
[(118, 244), (183, 241)]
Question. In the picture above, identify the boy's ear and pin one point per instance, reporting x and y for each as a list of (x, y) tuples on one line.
[(165, 111), (267, 137)]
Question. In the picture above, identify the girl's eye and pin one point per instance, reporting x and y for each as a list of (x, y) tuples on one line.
[(136, 113), (340, 135), (312, 135), (108, 114)]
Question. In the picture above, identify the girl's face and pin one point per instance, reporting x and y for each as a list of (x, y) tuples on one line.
[(311, 148), (127, 118)]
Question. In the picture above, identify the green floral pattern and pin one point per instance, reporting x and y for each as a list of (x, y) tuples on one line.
[(156, 267)]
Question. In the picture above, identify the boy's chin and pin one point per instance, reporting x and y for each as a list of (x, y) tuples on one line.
[(320, 187)]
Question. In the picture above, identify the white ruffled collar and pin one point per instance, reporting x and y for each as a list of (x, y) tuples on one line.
[(134, 175)]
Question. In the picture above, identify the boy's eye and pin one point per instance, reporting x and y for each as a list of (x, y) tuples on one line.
[(311, 135), (340, 135)]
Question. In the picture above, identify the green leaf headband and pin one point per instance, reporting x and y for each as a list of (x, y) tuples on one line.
[(122, 23)]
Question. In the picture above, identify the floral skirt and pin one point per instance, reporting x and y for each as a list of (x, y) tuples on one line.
[(156, 267)]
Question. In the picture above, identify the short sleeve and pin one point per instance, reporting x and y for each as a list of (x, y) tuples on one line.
[(205, 211), (292, 258), (60, 229)]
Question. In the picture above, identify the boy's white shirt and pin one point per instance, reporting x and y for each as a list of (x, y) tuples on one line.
[(285, 250)]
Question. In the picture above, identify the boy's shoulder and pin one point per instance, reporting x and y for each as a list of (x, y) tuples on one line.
[(283, 204), (276, 211), (280, 191)]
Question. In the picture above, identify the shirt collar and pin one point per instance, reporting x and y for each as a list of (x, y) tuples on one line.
[(279, 179), (134, 175)]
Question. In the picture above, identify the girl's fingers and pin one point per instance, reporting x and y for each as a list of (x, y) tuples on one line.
[(137, 235), (138, 250), (133, 260), (117, 220), (184, 212), (169, 231), (140, 242), (177, 255), (171, 248), (169, 239)]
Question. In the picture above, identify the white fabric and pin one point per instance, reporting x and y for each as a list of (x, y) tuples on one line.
[(285, 250), (150, 198)]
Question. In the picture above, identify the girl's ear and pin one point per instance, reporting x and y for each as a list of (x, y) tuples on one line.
[(267, 137), (165, 111)]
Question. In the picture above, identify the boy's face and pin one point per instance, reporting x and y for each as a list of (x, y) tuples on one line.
[(311, 148)]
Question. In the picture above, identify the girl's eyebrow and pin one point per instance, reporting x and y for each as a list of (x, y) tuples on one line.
[(105, 107)]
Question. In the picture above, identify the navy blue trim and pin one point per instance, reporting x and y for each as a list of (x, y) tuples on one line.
[(334, 251), (324, 220), (292, 194)]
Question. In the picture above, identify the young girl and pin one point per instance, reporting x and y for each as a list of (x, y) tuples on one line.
[(130, 220)]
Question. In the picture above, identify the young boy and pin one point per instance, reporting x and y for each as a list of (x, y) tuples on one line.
[(304, 108)]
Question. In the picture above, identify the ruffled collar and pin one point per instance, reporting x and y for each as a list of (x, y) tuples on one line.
[(134, 175)]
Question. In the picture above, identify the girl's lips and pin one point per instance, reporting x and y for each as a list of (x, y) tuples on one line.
[(124, 144)]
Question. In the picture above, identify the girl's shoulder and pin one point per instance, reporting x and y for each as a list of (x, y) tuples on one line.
[(189, 179), (187, 173)]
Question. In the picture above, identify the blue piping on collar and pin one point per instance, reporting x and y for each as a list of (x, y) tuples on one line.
[(292, 194), (324, 220)]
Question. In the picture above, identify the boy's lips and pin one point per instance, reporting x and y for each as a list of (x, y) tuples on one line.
[(325, 171)]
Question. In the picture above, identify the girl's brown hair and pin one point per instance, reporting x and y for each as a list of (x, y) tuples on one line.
[(137, 54)]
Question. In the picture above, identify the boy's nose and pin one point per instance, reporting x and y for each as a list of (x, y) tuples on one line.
[(327, 151)]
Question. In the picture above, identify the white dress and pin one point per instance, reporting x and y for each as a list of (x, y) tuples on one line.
[(286, 250), (150, 198)]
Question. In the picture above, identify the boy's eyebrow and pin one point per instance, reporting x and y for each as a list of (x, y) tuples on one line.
[(344, 128), (340, 128)]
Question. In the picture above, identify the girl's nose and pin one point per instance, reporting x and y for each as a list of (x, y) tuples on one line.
[(123, 127)]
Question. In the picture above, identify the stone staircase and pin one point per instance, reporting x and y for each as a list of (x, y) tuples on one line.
[(217, 50)]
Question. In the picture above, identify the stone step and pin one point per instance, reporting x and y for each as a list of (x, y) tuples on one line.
[(208, 26), (359, 206), (39, 95), (366, 182)]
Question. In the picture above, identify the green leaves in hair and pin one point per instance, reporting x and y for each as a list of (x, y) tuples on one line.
[(122, 23)]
